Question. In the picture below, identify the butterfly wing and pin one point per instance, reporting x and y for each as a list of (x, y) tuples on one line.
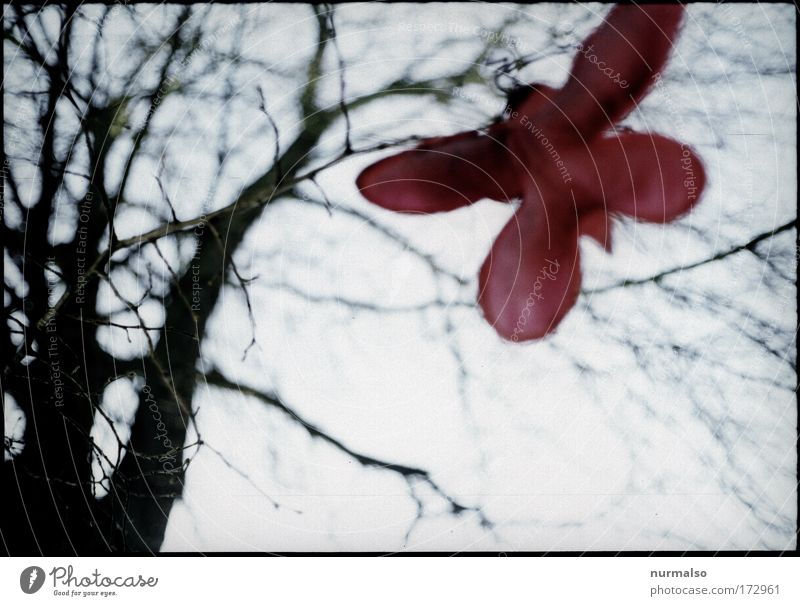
[(443, 174), (647, 176), (615, 66), (532, 275)]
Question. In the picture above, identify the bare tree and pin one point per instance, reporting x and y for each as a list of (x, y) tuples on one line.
[(118, 256)]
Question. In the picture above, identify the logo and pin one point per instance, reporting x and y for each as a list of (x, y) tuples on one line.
[(31, 579)]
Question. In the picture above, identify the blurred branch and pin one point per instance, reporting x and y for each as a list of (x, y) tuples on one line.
[(408, 473), (657, 278), (309, 297)]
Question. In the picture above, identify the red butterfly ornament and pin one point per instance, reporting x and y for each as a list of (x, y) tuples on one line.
[(556, 150)]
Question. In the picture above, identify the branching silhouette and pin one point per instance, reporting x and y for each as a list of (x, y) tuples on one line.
[(54, 508), (111, 286)]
